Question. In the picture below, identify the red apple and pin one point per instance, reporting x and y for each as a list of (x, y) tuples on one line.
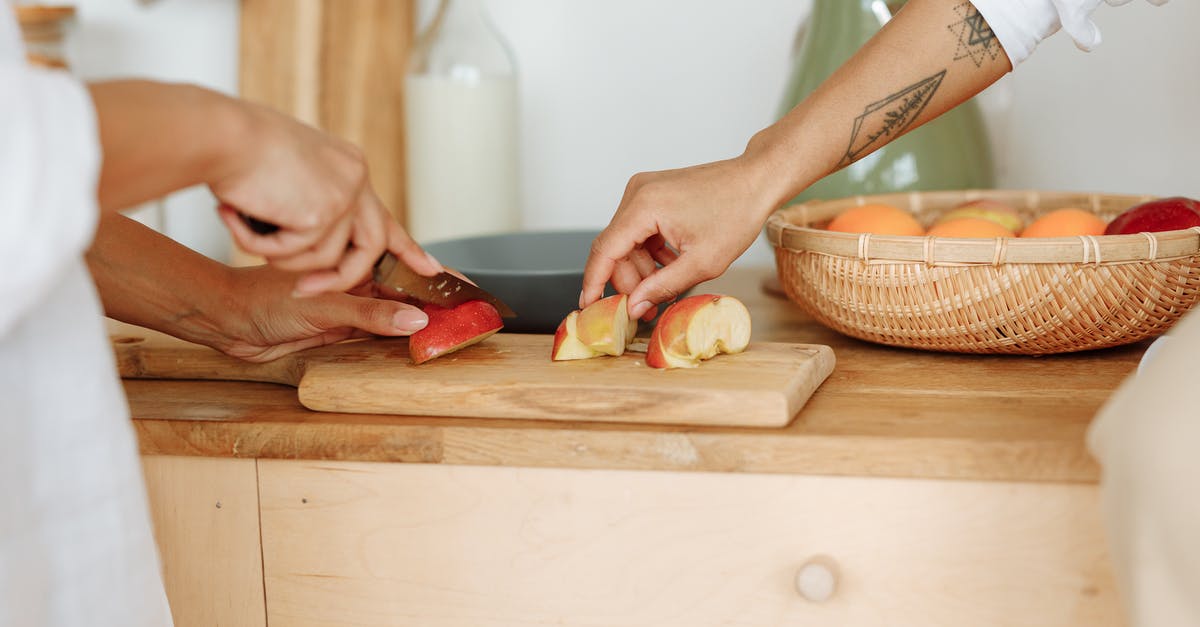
[(451, 329), (566, 341), (1164, 214), (605, 326), (698, 328)]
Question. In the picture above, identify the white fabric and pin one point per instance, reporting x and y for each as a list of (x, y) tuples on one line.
[(1147, 439), (75, 536), (1020, 25)]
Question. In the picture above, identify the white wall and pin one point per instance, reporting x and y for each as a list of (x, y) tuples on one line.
[(1122, 118), (171, 40), (611, 88)]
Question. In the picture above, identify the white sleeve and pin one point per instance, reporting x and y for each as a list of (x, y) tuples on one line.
[(1020, 25), (49, 164)]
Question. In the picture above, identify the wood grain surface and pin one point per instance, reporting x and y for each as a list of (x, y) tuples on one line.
[(883, 412), (413, 544), (510, 376), (206, 514), (338, 65)]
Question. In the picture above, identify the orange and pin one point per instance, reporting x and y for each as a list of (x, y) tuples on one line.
[(969, 227), (878, 219), (1067, 222)]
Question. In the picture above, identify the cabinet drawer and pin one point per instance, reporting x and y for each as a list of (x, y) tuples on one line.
[(387, 544)]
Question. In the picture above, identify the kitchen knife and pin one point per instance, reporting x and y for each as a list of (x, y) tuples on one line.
[(444, 289), (395, 278)]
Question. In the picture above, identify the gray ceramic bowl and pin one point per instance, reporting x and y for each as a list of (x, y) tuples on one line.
[(539, 274)]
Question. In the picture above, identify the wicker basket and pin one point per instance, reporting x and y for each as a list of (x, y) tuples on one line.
[(987, 295)]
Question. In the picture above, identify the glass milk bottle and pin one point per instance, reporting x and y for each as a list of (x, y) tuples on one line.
[(461, 128)]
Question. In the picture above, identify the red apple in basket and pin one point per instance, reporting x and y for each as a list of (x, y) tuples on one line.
[(451, 329), (1164, 214), (698, 328)]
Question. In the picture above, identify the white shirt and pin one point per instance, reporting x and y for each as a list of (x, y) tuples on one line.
[(1020, 25), (1146, 438), (76, 548)]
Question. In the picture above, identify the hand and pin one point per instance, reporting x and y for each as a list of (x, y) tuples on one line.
[(271, 324), (314, 187), (693, 221)]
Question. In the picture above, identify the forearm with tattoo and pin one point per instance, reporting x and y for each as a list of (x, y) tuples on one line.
[(976, 41), (932, 56), (890, 117)]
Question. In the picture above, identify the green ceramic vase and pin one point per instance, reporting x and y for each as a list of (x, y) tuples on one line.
[(951, 152)]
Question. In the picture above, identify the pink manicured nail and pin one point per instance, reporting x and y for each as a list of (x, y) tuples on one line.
[(409, 321), (640, 309)]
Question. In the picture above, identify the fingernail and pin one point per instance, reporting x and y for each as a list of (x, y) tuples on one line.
[(433, 260), (581, 299), (410, 320), (640, 309)]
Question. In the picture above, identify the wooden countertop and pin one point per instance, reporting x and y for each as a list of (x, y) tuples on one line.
[(883, 412)]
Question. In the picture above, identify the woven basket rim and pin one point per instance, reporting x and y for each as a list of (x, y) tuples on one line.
[(787, 229)]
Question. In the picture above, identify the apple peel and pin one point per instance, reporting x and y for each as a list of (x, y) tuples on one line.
[(698, 328), (452, 329)]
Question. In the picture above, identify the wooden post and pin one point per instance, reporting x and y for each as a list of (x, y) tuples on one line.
[(338, 65)]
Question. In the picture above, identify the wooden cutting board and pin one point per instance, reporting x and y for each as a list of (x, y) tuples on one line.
[(508, 376)]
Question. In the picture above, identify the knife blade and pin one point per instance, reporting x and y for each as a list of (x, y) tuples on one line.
[(443, 289), (397, 279)]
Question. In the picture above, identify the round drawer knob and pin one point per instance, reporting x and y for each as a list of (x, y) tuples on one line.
[(817, 579)]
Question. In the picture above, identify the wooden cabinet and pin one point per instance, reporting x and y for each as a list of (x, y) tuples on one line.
[(966, 500), (375, 544), (205, 513)]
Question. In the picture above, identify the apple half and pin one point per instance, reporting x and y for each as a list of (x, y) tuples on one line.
[(450, 329), (698, 328), (602, 328)]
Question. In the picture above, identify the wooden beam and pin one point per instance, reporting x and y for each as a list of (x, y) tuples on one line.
[(338, 65)]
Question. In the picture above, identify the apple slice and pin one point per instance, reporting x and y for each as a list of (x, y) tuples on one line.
[(451, 329), (566, 341), (698, 328), (604, 326)]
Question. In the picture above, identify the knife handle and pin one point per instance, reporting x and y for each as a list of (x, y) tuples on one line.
[(258, 226), (263, 227)]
